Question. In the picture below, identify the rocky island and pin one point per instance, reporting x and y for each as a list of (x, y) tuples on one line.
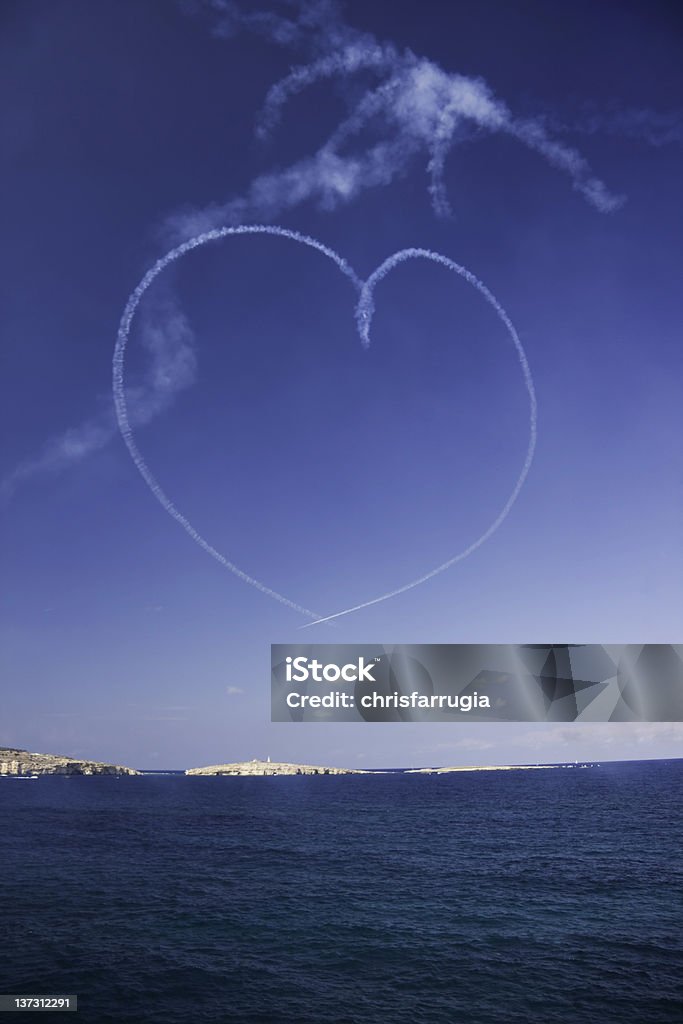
[(17, 762), (269, 767)]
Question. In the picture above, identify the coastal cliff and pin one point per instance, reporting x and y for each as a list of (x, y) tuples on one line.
[(24, 762), (270, 768)]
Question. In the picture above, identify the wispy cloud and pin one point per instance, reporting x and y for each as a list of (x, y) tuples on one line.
[(599, 735), (168, 342), (655, 127), (409, 107), (234, 691)]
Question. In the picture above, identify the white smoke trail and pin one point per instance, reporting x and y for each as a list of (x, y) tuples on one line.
[(168, 340), (415, 106), (654, 127), (441, 144), (121, 404), (473, 102), (364, 312), (353, 58)]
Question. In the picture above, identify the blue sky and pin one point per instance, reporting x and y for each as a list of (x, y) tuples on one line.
[(330, 473)]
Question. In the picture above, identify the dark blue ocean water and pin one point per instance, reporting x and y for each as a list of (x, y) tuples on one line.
[(544, 896)]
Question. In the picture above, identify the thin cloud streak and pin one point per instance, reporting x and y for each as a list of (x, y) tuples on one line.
[(169, 343)]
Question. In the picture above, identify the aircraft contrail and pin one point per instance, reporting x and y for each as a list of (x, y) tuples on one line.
[(118, 383), (364, 312)]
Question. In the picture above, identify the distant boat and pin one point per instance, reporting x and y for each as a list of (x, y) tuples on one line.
[(18, 776)]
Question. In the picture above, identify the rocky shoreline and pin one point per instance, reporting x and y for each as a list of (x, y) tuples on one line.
[(257, 767), (15, 762)]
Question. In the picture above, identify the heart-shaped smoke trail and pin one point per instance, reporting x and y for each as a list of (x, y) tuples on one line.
[(364, 312)]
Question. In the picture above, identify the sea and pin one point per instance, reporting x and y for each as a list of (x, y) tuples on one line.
[(506, 897)]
